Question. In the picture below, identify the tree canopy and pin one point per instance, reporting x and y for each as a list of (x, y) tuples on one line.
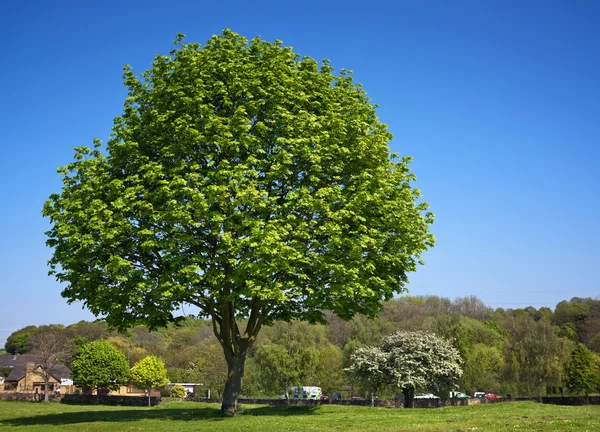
[(243, 179), (18, 341), (150, 373), (581, 374), (99, 365), (408, 361)]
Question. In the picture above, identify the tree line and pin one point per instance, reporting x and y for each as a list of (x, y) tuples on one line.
[(519, 352)]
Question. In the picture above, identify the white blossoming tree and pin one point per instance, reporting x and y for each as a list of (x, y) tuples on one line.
[(407, 361)]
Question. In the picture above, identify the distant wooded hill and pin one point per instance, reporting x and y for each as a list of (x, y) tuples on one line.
[(522, 352)]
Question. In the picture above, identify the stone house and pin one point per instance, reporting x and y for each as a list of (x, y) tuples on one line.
[(26, 376)]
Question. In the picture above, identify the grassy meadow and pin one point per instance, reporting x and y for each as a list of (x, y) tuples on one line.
[(187, 416)]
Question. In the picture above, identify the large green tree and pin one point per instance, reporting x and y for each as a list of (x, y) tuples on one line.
[(243, 179), (99, 365)]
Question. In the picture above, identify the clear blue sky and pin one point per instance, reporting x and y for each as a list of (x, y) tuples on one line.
[(498, 102)]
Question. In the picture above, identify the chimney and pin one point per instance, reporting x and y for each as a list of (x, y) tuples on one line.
[(29, 368)]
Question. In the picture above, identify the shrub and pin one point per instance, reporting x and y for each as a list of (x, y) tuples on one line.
[(178, 391)]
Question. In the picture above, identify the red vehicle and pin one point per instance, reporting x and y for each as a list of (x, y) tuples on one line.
[(491, 396)]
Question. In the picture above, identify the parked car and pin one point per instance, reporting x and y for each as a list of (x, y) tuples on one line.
[(426, 396), (324, 397), (484, 395), (459, 395), (306, 392)]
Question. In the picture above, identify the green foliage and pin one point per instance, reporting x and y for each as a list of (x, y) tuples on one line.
[(90, 331), (212, 368), (239, 175), (4, 371), (581, 315), (500, 354), (581, 373), (534, 355), (595, 343), (300, 354), (482, 369), (328, 373), (243, 179), (276, 368), (150, 373), (18, 341), (178, 391), (100, 365)]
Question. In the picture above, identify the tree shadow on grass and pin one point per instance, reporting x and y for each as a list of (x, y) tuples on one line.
[(117, 415), (281, 410), (131, 415)]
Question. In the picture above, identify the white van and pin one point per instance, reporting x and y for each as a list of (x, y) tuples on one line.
[(306, 392)]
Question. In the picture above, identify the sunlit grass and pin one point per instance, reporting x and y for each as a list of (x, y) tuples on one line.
[(187, 416)]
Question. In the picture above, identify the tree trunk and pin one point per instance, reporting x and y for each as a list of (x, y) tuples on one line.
[(46, 390), (233, 386), (149, 398), (409, 396), (372, 399)]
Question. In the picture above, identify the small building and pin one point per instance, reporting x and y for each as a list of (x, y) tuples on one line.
[(189, 387), (29, 378), (131, 389), (26, 375)]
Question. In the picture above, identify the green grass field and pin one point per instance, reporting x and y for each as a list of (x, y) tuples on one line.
[(188, 416)]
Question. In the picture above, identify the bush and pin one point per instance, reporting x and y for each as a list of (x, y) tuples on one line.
[(178, 391)]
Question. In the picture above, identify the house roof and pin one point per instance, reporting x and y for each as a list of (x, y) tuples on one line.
[(19, 366), (16, 373), (10, 360)]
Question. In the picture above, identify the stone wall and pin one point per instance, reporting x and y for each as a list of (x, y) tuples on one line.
[(418, 403), (572, 400), (28, 396), (84, 399)]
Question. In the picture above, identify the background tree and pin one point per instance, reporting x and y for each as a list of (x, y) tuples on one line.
[(244, 180), (99, 365), (595, 343), (276, 368), (212, 369), (18, 341), (581, 374), (482, 369), (54, 351), (91, 331), (150, 373), (534, 355), (329, 368), (421, 361)]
